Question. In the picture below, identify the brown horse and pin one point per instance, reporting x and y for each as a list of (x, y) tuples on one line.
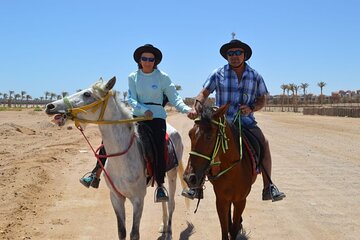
[(215, 154)]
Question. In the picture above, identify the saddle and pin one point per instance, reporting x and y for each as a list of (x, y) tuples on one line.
[(149, 152), (251, 144)]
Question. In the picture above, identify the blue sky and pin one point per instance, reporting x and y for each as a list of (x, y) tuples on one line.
[(66, 45)]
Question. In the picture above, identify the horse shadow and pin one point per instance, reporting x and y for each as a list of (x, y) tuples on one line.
[(190, 230), (184, 235)]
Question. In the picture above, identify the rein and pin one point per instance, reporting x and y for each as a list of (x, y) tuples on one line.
[(102, 102), (98, 156)]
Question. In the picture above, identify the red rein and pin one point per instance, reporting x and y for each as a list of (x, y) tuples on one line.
[(107, 156)]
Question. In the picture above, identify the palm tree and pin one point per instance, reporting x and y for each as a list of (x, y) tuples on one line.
[(296, 88), (28, 98), (284, 87), (292, 89), (288, 98), (304, 86), (64, 94), (321, 85), (52, 96), (125, 93), (11, 93), (16, 97), (23, 93), (10, 97), (47, 95), (5, 96)]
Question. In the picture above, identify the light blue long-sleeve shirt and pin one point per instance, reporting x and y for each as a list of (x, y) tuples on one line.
[(149, 88)]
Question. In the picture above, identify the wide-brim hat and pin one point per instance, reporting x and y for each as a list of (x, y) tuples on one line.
[(149, 49), (236, 44)]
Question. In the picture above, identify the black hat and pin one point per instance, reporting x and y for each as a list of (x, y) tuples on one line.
[(149, 49), (236, 44)]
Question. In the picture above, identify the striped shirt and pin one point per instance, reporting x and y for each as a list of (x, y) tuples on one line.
[(229, 90)]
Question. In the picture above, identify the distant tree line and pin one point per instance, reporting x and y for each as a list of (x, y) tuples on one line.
[(22, 99)]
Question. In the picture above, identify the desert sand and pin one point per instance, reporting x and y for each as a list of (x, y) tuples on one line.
[(316, 162)]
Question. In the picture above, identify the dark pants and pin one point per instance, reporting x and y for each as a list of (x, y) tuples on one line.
[(266, 161), (258, 134), (158, 128)]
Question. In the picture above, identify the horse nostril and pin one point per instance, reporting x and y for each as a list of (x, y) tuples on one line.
[(49, 107), (192, 179)]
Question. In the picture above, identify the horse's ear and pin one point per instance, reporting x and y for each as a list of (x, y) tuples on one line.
[(110, 84), (221, 111)]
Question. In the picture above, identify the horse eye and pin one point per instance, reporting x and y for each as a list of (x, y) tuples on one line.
[(87, 94), (208, 136)]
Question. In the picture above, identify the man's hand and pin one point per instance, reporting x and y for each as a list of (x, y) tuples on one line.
[(245, 110)]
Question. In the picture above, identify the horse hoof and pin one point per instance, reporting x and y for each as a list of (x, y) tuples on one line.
[(162, 228)]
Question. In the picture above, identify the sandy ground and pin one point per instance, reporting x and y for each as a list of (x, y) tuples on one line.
[(316, 162)]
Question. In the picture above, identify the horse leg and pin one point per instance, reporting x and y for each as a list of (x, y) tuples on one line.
[(168, 209), (119, 208), (222, 208), (237, 218), (138, 206)]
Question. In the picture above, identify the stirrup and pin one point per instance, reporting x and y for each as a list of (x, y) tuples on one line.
[(193, 193), (164, 195), (87, 179)]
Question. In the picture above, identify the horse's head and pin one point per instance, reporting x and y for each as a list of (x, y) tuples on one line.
[(79, 103), (207, 137)]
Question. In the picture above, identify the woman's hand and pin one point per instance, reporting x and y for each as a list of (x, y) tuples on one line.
[(192, 114), (148, 114)]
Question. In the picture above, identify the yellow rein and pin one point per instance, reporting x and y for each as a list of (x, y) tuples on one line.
[(95, 106)]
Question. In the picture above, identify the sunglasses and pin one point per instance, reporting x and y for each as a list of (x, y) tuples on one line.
[(232, 53), (145, 59)]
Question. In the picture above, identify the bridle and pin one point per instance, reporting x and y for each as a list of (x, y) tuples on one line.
[(102, 102), (221, 141)]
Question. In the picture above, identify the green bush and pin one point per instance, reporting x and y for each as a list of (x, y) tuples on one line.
[(37, 109)]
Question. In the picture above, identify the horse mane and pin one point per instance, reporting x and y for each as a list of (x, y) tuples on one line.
[(124, 110), (206, 114), (99, 92)]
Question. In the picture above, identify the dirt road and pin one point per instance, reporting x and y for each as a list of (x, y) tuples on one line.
[(316, 162)]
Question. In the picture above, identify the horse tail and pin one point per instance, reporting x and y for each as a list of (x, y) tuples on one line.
[(176, 140)]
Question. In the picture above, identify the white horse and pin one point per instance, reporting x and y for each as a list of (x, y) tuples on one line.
[(99, 105)]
